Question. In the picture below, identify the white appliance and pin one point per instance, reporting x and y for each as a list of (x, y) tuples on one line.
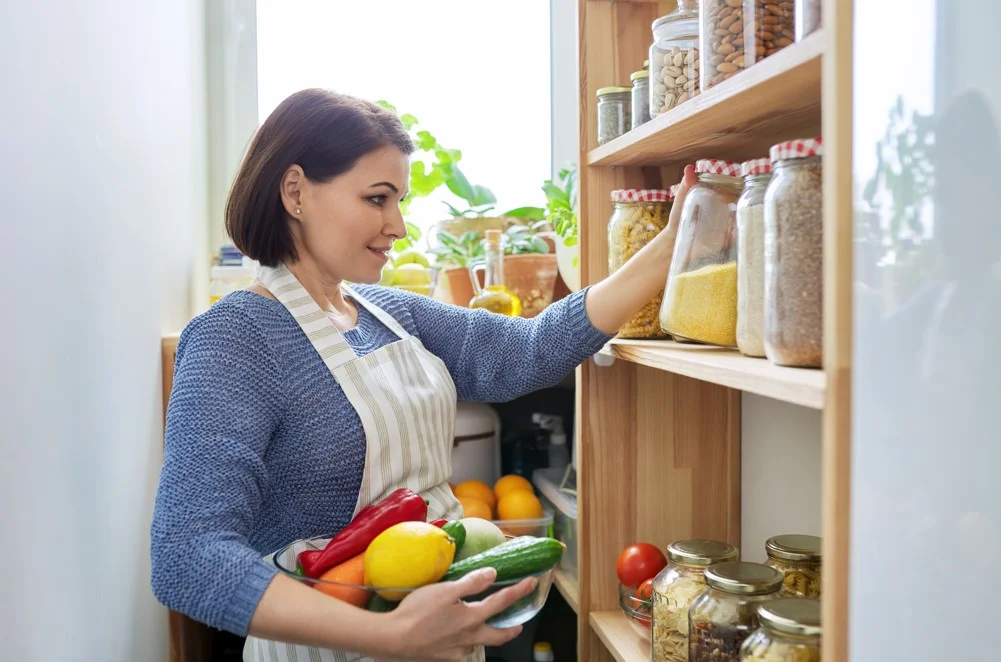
[(476, 449)]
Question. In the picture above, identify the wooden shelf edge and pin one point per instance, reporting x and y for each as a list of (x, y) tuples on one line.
[(792, 72), (567, 586), (619, 636), (798, 386)]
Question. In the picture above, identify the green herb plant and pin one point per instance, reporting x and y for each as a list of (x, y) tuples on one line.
[(467, 250), (561, 205)]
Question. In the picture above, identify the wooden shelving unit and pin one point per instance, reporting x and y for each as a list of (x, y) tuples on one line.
[(567, 586), (659, 427)]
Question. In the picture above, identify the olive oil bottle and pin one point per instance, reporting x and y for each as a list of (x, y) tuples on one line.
[(493, 295)]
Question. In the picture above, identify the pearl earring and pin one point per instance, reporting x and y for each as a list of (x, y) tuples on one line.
[(297, 210)]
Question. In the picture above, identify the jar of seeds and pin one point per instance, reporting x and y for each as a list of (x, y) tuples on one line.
[(769, 26), (794, 255), (809, 14), (614, 116), (797, 557), (789, 631), (674, 58), (640, 97), (751, 257)]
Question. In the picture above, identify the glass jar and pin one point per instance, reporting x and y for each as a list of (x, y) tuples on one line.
[(794, 255), (721, 41), (751, 257), (789, 631), (809, 17), (614, 117), (640, 97), (769, 25), (674, 58), (700, 301), (638, 215), (726, 612), (675, 587), (797, 557)]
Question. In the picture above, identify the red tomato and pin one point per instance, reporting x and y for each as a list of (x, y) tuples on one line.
[(645, 591), (638, 563)]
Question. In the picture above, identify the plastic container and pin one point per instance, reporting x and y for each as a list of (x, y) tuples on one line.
[(809, 17), (790, 629), (769, 25), (751, 257), (564, 509), (798, 558), (227, 279), (794, 255), (540, 528), (638, 215), (674, 58), (640, 99), (675, 588), (614, 115), (700, 300), (726, 613)]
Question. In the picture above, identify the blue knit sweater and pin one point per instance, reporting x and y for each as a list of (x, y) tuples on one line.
[(263, 447)]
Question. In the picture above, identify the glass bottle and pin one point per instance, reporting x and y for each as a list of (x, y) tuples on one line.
[(493, 296), (674, 58), (790, 629), (751, 257), (797, 557)]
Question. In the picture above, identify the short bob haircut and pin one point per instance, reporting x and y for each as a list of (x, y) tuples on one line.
[(325, 133)]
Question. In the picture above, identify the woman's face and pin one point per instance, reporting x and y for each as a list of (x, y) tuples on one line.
[(348, 225)]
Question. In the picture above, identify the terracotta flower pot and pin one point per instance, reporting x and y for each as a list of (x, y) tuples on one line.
[(531, 277)]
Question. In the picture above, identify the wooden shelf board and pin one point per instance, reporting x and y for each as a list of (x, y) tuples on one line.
[(798, 386), (619, 636), (775, 99), (567, 586)]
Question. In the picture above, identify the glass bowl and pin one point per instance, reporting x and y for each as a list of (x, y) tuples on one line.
[(367, 597), (637, 610)]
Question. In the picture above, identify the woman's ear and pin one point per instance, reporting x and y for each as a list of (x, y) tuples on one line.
[(291, 190)]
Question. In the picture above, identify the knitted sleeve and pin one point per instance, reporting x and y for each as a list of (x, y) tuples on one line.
[(224, 406)]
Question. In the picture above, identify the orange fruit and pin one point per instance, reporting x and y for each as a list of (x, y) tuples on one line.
[(352, 572), (475, 508), (510, 483), (519, 504), (477, 489)]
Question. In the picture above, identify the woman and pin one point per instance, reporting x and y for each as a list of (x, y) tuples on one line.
[(300, 400)]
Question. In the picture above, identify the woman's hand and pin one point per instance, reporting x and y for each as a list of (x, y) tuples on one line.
[(433, 623)]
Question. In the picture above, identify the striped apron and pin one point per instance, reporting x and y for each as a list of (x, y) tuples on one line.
[(406, 400)]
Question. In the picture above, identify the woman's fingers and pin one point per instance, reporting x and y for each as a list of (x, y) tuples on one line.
[(473, 583), (497, 602)]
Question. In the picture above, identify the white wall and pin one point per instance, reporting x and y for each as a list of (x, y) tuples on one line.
[(102, 173)]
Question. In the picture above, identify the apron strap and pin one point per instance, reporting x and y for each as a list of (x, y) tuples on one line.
[(379, 314)]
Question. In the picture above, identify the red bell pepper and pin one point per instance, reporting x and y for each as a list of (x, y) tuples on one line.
[(403, 505), (439, 522)]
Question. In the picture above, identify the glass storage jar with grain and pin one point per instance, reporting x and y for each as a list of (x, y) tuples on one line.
[(675, 587), (640, 99), (614, 115), (769, 26), (674, 58), (700, 299), (789, 631), (751, 257), (794, 255), (797, 557), (809, 14), (638, 215), (726, 612)]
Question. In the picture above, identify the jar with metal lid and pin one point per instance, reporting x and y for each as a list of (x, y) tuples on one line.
[(638, 215), (797, 557), (640, 97), (674, 58), (675, 587), (751, 257), (794, 255), (614, 116), (789, 631), (726, 612), (700, 299), (809, 17)]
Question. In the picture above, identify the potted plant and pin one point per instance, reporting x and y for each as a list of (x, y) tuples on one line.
[(561, 206)]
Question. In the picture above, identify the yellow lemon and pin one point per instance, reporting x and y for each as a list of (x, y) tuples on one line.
[(407, 556), (510, 483)]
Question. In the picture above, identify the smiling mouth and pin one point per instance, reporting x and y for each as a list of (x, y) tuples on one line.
[(384, 252)]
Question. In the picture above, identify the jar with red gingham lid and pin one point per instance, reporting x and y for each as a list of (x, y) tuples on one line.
[(700, 299), (638, 215), (794, 255), (751, 257)]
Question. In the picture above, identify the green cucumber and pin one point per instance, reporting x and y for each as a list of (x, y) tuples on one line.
[(455, 529), (380, 604), (518, 557)]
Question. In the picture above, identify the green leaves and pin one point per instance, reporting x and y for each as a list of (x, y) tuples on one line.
[(561, 202)]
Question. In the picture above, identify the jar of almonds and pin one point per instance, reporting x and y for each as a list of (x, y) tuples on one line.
[(721, 41), (674, 58), (769, 25)]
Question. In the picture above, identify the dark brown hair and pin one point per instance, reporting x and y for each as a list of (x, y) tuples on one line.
[(325, 133)]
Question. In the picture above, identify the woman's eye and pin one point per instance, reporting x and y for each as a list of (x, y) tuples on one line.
[(378, 200)]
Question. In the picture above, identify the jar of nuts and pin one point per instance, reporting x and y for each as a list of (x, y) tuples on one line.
[(721, 40), (700, 300), (614, 115), (794, 255), (808, 17), (638, 215), (790, 629), (769, 25), (797, 557), (674, 58)]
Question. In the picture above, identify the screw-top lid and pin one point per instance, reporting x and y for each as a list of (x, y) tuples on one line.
[(701, 552), (542, 652), (642, 73), (613, 90), (716, 167), (640, 195), (797, 149), (756, 167), (794, 547), (796, 616), (743, 578)]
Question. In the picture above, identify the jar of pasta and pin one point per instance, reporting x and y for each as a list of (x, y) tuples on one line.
[(638, 215), (726, 612), (674, 589), (797, 557), (789, 630)]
